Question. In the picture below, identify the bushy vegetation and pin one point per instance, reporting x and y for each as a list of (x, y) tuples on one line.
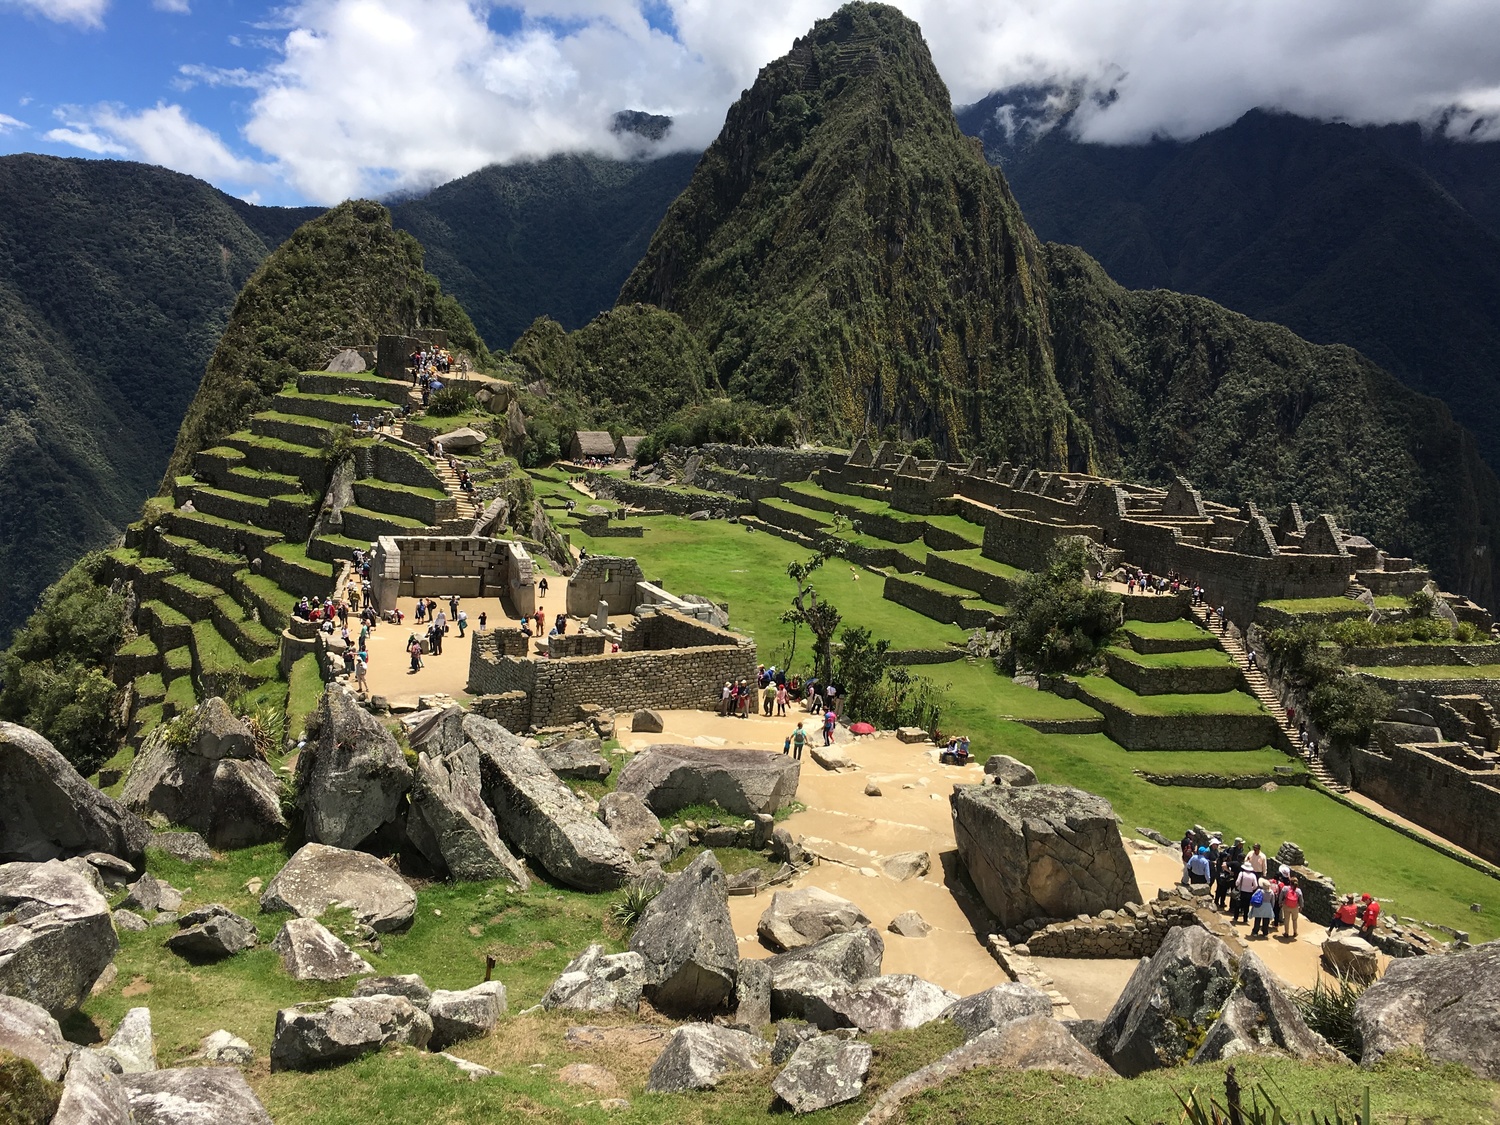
[(1344, 706), (1328, 1009), (878, 692), (449, 402), (52, 675), (1058, 620), (720, 420)]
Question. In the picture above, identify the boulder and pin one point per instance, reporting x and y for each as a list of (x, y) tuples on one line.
[(596, 981), (309, 952), (699, 1054), (194, 1095), (1349, 955), (1447, 1007), (1009, 771), (450, 824), (976, 1014), (752, 994), (465, 1015), (150, 893), (409, 985), (225, 1047), (741, 782), (346, 362), (29, 1032), (56, 936), (189, 847), (832, 758), (906, 865), (329, 1032), (647, 721), (849, 957), (1042, 851), (112, 870), (800, 917), (47, 810), (577, 759), (214, 780), (212, 933), (823, 1072), (351, 781), (1259, 1017), (318, 877), (465, 437), (472, 1070), (1029, 1043), (688, 943), (131, 1045), (130, 922), (542, 817), (909, 924), (627, 816), (93, 1093), (897, 1002)]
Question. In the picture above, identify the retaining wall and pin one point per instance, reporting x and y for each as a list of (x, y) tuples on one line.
[(990, 587), (1176, 732), (933, 603), (1461, 806), (1144, 679)]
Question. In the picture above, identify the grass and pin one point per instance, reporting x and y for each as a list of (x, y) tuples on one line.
[(150, 687), (1194, 658), (178, 661), (977, 696), (1207, 703), (181, 695), (142, 645), (1435, 672), (1333, 606), (1180, 630), (976, 561), (306, 685)]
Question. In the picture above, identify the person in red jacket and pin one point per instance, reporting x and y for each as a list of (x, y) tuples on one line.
[(1371, 914), (1346, 916)]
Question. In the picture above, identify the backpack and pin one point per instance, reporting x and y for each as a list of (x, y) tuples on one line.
[(1258, 898), (1293, 898)]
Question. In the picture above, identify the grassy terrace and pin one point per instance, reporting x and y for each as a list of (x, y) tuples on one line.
[(955, 524), (974, 560), (1208, 703), (1332, 606), (1180, 630), (1436, 672), (1195, 658)]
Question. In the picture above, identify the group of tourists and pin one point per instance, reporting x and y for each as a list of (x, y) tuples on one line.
[(429, 363), (798, 738)]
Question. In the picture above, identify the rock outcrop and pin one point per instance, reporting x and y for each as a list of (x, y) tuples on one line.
[(56, 936), (189, 847), (450, 824), (132, 1045), (409, 985), (194, 1095), (1009, 771), (976, 1014), (1349, 955), (309, 951), (577, 759), (800, 917), (541, 817), (318, 877), (1260, 1017), (699, 1054), (29, 1032), (329, 1032), (212, 933), (465, 1014), (596, 981), (823, 1072), (687, 940), (897, 1002), (48, 811), (1448, 1007), (627, 816), (811, 971), (1042, 851), (215, 782), (741, 782), (351, 782), (94, 1093)]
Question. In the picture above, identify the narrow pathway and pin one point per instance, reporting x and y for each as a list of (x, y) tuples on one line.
[(1260, 687), (467, 508)]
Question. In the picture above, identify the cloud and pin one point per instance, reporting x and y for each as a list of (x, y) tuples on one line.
[(7, 123), (162, 135), (85, 13), (180, 7)]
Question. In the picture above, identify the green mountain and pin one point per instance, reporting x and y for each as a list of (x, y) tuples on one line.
[(1383, 238), (844, 248), (116, 281), (554, 237)]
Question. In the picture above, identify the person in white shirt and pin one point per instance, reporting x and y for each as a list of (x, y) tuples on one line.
[(1257, 860)]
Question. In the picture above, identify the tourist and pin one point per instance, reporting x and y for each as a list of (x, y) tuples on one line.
[(1346, 917), (441, 621), (799, 740), (562, 624), (1369, 914), (484, 617), (542, 586), (768, 698), (462, 618), (1198, 868), (781, 697), (1291, 908), (726, 697), (1262, 910), (541, 623), (1257, 860), (1245, 884), (1223, 621), (421, 611), (1189, 842), (434, 639), (746, 694), (830, 724), (348, 659), (453, 606), (831, 695), (1224, 873), (361, 666), (414, 647)]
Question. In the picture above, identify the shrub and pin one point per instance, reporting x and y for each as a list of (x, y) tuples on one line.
[(1346, 707), (1058, 621), (627, 909), (1329, 1011), (450, 402)]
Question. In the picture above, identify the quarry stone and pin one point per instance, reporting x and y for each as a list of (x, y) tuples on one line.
[(212, 933), (450, 824), (1448, 1007), (627, 816), (351, 782), (30, 1032), (688, 943), (56, 936), (329, 1032), (465, 1014), (318, 877), (993, 1007), (800, 917), (409, 985), (309, 951), (699, 1054), (596, 981), (194, 1095), (741, 782), (823, 1072)]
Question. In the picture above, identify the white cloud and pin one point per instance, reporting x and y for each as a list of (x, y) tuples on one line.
[(162, 135), (180, 7), (85, 13), (7, 123), (88, 140)]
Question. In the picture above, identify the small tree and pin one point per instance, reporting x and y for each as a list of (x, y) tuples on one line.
[(821, 617), (1346, 707), (862, 666), (1058, 621)]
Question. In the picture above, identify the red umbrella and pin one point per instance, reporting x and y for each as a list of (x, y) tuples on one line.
[(861, 728)]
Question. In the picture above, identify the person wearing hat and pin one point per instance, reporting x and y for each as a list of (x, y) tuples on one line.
[(1369, 915), (1262, 909), (1245, 885), (1198, 868)]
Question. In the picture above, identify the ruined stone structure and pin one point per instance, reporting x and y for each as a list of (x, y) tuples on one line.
[(440, 566)]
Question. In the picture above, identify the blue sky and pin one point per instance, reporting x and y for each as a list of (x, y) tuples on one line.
[(317, 100)]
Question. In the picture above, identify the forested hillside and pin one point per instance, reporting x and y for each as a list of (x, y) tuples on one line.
[(1384, 239)]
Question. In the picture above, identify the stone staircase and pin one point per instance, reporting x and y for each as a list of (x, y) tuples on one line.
[(467, 508), (1260, 687)]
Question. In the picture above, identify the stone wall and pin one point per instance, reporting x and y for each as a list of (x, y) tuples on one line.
[(604, 578), (603, 527), (658, 497), (511, 709), (1145, 679), (1132, 931), (399, 500), (1175, 732), (329, 383), (935, 604), (400, 465), (990, 587), (1420, 656), (1460, 805), (667, 630), (735, 483), (774, 461), (466, 565), (1230, 781), (1021, 541)]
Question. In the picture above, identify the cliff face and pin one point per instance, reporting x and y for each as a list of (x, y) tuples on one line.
[(843, 248)]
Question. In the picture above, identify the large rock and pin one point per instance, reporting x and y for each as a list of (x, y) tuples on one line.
[(627, 816), (93, 1093), (410, 985), (132, 1044), (1448, 1007), (351, 781), (329, 1032), (1042, 851), (318, 877), (822, 1072), (465, 1015), (752, 994), (800, 917), (452, 826), (647, 721), (596, 981), (212, 933), (194, 1095), (1349, 955), (542, 817), (1009, 771), (699, 1054), (976, 1014), (805, 975), (150, 893), (577, 759), (189, 847), (688, 942), (56, 936), (1029, 1043), (906, 865), (214, 781), (31, 1033), (897, 1002), (1259, 1018), (48, 811), (309, 952), (741, 782)]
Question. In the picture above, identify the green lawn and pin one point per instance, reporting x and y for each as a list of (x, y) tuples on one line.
[(976, 561), (1208, 703), (1179, 630), (1194, 658), (1335, 605), (1435, 672)]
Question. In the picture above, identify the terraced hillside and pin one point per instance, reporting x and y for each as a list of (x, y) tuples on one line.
[(269, 515)]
